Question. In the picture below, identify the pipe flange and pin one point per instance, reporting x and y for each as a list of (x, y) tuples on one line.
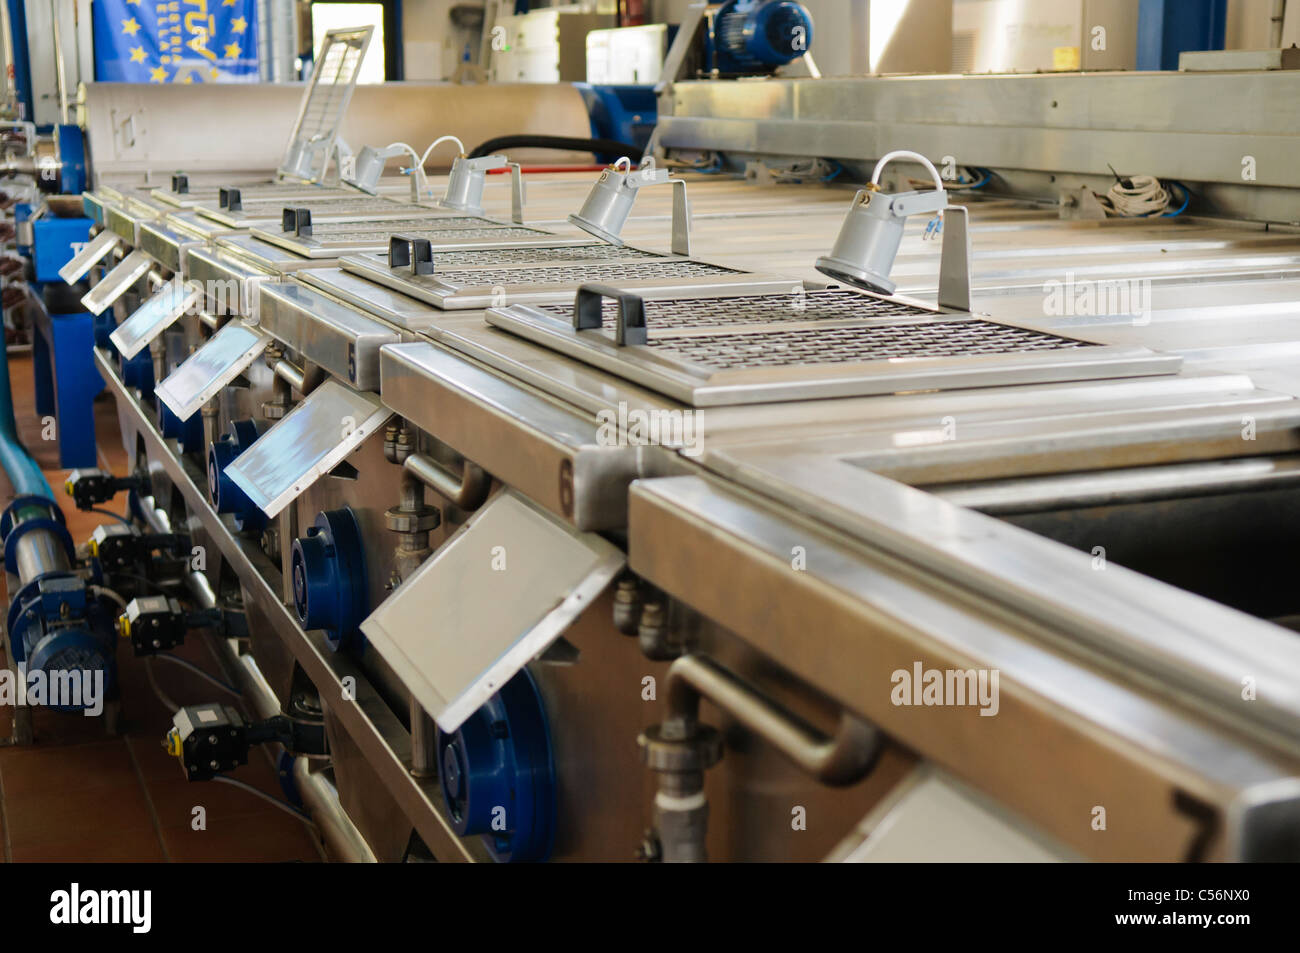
[(699, 752), (421, 520)]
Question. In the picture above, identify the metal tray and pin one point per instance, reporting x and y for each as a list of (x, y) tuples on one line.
[(756, 349), (331, 239), (112, 286), (89, 256)]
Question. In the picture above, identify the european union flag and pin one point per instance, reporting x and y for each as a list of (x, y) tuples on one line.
[(176, 41)]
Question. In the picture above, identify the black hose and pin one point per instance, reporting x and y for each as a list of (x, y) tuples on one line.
[(564, 143)]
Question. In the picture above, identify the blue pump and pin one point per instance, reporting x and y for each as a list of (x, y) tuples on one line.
[(224, 494), (330, 587)]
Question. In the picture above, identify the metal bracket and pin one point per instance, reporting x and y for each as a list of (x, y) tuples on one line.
[(954, 260), (516, 194)]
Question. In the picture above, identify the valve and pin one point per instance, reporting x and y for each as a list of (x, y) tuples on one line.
[(87, 487), (225, 495), (158, 623), (119, 546), (498, 774), (213, 738), (330, 585)]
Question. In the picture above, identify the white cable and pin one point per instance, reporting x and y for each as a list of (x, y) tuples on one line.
[(623, 164), (270, 799), (105, 591), (1146, 197), (906, 154), (437, 142), (402, 145)]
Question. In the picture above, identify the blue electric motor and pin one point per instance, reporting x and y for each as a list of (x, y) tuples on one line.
[(330, 588), (188, 432), (225, 496), (59, 634), (498, 774), (757, 36)]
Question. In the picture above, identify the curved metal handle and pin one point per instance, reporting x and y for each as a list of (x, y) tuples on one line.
[(839, 759), (588, 313), (408, 251)]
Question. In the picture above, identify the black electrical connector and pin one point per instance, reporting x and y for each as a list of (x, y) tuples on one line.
[(214, 738), (92, 486)]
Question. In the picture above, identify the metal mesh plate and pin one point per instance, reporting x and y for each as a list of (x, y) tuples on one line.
[(583, 272), (374, 234), (350, 231), (734, 349), (837, 345), (540, 254)]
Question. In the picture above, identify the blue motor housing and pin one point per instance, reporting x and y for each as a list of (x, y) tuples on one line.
[(188, 432), (137, 372), (225, 496), (330, 588), (498, 774), (60, 636), (757, 36)]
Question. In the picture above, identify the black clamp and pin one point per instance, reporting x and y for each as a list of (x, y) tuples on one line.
[(408, 251), (90, 486), (230, 199), (588, 313), (180, 184)]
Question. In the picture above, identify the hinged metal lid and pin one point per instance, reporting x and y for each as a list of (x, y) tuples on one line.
[(315, 131), (153, 317), (218, 362), (89, 256), (450, 635), (126, 273), (833, 343), (311, 440)]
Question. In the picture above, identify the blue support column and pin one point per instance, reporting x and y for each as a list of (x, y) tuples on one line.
[(1169, 27)]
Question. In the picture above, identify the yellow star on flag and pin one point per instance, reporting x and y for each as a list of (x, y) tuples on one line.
[(232, 51), (137, 54), (227, 3), (187, 78), (134, 3), (158, 75), (130, 26), (238, 25), (214, 74)]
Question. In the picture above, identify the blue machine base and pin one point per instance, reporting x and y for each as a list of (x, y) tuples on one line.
[(67, 383)]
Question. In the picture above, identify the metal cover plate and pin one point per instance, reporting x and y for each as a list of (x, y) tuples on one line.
[(340, 207), (757, 349), (362, 236), (126, 273), (447, 631), (554, 281), (218, 362), (338, 64), (338, 338), (311, 440), (88, 257), (153, 317)]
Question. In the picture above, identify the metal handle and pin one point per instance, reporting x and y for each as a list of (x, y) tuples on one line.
[(588, 313), (180, 184), (230, 199), (408, 251), (467, 490), (296, 221)]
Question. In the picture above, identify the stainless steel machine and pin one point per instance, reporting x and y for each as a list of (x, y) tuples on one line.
[(675, 542)]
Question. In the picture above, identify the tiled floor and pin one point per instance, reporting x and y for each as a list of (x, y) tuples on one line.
[(80, 794)]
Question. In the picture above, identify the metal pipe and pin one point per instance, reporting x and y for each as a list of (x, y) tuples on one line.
[(424, 742), (842, 758), (467, 491), (319, 796), (321, 799), (304, 380), (60, 68), (11, 84), (1276, 21)]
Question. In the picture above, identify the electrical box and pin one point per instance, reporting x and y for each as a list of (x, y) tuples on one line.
[(544, 46)]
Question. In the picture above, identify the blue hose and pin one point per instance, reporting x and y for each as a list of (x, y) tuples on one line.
[(23, 473)]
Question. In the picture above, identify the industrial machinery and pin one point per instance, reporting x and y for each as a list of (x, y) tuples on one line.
[(559, 516)]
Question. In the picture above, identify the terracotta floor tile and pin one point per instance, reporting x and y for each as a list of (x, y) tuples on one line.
[(57, 817), (38, 769), (272, 837), (108, 847)]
